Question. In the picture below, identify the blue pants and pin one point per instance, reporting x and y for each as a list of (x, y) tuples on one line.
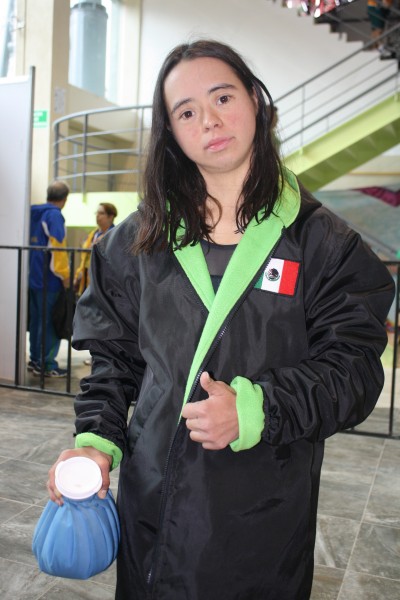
[(36, 324)]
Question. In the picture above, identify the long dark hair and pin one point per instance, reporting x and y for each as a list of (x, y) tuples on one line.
[(174, 191)]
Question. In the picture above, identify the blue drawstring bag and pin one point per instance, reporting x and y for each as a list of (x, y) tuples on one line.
[(80, 538)]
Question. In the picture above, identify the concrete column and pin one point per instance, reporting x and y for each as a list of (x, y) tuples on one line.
[(43, 42)]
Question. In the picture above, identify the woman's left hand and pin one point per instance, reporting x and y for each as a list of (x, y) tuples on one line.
[(213, 422)]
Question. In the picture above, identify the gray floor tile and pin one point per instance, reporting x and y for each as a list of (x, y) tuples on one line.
[(378, 421), (11, 508), (47, 450), (68, 589), (35, 404), (353, 456), (334, 542), (357, 586), (377, 551), (16, 537), (384, 503), (359, 489), (344, 495), (22, 481), (107, 577), (390, 461), (326, 584), (19, 582)]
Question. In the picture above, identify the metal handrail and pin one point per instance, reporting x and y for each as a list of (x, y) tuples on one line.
[(101, 152), (338, 63), (98, 111), (74, 154), (94, 134), (332, 112), (323, 89), (306, 119), (101, 173)]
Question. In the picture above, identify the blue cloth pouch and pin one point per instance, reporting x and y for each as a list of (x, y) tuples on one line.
[(78, 539)]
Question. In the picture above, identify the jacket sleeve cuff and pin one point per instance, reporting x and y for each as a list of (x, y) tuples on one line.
[(96, 441), (249, 405)]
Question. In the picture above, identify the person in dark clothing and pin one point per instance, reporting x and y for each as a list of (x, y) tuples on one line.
[(246, 322), (50, 271), (378, 12)]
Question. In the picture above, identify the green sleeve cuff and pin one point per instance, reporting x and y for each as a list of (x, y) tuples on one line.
[(96, 441), (249, 405)]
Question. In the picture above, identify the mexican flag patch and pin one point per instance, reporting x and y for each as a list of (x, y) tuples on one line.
[(279, 277)]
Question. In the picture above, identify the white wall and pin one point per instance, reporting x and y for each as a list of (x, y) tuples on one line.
[(282, 48), (15, 146)]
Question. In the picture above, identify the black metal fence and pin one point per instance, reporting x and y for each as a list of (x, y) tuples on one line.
[(22, 379), (69, 385)]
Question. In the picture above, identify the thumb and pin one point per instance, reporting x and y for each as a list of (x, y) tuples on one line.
[(105, 474), (102, 493), (206, 381)]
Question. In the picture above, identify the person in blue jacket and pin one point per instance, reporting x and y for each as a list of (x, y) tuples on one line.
[(48, 270), (246, 322)]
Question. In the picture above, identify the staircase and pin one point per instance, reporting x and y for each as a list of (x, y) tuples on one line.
[(348, 19), (348, 146), (343, 117)]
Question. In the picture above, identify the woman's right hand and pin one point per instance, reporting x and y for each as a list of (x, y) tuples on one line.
[(101, 458)]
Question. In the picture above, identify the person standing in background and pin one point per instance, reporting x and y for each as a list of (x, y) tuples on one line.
[(105, 216), (378, 12), (47, 228)]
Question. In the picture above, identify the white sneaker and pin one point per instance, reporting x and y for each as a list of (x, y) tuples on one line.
[(385, 53)]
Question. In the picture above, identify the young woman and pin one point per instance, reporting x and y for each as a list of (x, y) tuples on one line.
[(105, 215), (247, 322)]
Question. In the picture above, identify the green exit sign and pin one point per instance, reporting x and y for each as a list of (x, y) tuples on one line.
[(40, 118)]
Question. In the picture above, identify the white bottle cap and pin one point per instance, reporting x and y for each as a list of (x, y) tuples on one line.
[(78, 478)]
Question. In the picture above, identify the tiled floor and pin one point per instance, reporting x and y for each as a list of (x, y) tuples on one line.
[(358, 541)]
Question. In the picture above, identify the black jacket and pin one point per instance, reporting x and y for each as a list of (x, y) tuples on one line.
[(239, 523)]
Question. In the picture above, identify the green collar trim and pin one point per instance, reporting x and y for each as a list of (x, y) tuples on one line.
[(248, 257), (194, 264)]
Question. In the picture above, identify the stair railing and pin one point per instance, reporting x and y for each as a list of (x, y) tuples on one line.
[(102, 149), (335, 95)]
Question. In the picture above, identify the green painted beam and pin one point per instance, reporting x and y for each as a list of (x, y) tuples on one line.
[(348, 146)]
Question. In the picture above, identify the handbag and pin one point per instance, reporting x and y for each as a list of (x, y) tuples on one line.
[(63, 313)]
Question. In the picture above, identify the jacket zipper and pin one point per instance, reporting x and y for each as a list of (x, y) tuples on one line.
[(217, 339), (150, 575)]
